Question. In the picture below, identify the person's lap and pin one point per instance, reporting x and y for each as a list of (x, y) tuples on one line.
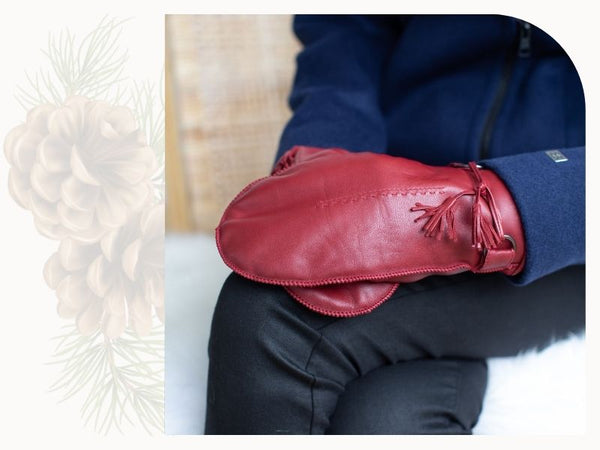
[(277, 367)]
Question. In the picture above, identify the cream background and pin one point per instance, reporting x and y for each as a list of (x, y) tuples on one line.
[(27, 411), (28, 415)]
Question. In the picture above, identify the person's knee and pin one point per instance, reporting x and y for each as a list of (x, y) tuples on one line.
[(415, 397), (242, 309)]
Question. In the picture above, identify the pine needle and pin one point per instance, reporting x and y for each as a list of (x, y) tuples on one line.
[(122, 379)]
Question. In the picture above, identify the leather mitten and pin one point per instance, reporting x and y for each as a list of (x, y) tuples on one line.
[(341, 229)]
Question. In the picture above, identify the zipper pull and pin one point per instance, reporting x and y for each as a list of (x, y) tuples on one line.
[(524, 40)]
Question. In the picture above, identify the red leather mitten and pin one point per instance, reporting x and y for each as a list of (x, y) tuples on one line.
[(340, 230)]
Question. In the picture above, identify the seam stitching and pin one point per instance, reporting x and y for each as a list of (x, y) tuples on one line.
[(312, 383), (381, 193)]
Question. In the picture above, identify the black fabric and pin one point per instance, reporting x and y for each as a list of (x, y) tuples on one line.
[(414, 365), (424, 396)]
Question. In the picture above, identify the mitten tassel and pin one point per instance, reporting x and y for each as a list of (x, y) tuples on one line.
[(486, 231)]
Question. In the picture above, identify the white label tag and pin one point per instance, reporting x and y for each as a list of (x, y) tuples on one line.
[(556, 156)]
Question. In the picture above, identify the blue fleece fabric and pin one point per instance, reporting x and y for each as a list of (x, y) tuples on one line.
[(441, 89)]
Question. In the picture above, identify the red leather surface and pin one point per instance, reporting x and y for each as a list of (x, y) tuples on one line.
[(328, 216), (345, 299)]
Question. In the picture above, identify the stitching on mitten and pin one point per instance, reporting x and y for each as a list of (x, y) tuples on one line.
[(331, 312), (368, 195)]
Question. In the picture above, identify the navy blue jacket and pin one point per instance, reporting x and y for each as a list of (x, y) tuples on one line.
[(441, 89)]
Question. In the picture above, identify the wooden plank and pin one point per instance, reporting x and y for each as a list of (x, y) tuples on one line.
[(177, 205)]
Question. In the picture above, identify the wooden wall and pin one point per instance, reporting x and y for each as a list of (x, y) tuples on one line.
[(228, 80)]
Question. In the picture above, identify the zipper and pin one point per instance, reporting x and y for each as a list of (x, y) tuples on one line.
[(523, 50), (524, 39)]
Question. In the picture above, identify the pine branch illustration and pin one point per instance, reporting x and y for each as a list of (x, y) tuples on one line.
[(147, 101), (123, 376), (93, 68)]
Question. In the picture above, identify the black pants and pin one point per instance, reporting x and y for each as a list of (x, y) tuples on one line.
[(415, 365)]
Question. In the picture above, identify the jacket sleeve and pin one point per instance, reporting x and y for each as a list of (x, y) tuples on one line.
[(550, 197), (335, 94)]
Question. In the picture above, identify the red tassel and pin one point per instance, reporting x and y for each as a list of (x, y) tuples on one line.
[(483, 234), (438, 216)]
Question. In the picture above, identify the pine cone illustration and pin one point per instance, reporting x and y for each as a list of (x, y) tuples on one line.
[(115, 282), (81, 168)]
